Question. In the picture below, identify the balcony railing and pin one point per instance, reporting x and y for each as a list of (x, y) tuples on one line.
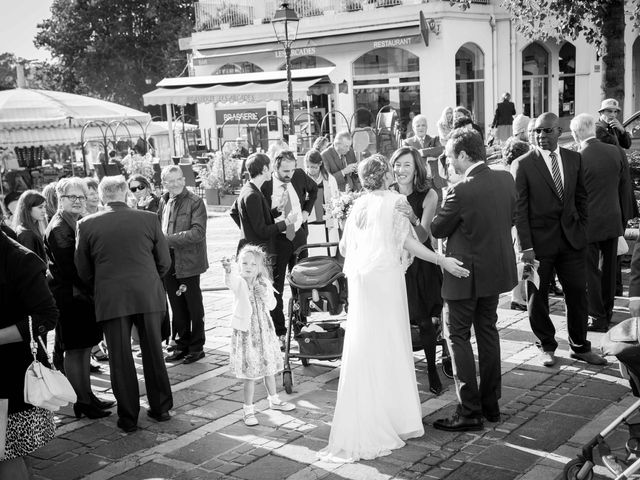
[(220, 14)]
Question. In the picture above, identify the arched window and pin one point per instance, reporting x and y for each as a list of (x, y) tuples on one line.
[(240, 67), (470, 80), (308, 61), (535, 80), (566, 84), (386, 76)]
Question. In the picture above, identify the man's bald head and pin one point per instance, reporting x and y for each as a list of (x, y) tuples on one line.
[(547, 131)]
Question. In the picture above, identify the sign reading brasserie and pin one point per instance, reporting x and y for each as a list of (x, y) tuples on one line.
[(242, 115)]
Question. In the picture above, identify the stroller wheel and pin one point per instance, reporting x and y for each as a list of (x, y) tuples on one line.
[(305, 362), (447, 368), (287, 381), (578, 469)]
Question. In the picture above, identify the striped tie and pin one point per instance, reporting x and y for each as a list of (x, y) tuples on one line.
[(557, 179)]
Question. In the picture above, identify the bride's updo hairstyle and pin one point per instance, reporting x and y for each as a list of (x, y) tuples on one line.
[(372, 171)]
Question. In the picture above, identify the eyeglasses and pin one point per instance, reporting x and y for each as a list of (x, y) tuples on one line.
[(137, 188), (75, 198), (610, 110), (545, 130)]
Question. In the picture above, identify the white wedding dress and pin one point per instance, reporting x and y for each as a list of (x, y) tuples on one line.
[(378, 406)]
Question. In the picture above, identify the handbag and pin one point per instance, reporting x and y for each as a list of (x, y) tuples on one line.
[(44, 387), (623, 246)]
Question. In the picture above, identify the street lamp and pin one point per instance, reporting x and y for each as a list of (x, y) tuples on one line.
[(285, 26)]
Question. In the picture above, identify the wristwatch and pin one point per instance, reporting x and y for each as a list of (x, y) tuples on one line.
[(417, 222)]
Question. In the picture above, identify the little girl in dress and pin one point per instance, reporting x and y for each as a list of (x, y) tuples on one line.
[(255, 349)]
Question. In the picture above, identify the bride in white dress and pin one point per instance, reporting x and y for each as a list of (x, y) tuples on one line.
[(378, 406)]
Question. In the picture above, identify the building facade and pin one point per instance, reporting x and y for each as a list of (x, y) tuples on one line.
[(373, 64)]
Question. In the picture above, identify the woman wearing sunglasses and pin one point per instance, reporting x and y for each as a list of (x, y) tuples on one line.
[(141, 189), (77, 326)]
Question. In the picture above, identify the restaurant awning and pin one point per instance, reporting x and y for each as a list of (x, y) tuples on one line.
[(54, 136), (239, 88)]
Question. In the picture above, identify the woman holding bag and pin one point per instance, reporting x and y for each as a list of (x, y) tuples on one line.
[(23, 293)]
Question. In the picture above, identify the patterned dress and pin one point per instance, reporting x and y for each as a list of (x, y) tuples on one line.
[(256, 353)]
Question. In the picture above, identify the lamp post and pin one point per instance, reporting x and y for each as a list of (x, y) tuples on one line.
[(285, 26)]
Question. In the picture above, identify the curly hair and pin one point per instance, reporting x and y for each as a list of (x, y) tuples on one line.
[(514, 148), (372, 171), (264, 269)]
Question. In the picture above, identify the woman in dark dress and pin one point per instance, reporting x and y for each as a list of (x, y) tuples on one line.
[(79, 330), (23, 293), (30, 220), (423, 279)]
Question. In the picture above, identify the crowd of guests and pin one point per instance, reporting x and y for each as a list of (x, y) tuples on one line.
[(570, 209)]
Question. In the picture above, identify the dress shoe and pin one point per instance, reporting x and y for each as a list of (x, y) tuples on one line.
[(193, 357), (597, 326), (589, 357), (101, 404), (158, 417), (556, 290), (89, 410), (548, 359), (435, 385), (518, 306), (127, 426), (458, 423), (176, 355), (492, 417)]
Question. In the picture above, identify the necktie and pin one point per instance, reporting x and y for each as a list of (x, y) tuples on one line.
[(318, 207), (291, 231), (557, 178), (166, 216)]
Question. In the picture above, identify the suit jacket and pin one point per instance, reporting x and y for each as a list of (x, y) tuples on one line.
[(307, 190), (477, 217), (123, 255), (634, 278), (333, 164), (605, 181), (252, 214), (541, 217), (414, 142), (612, 136), (504, 114)]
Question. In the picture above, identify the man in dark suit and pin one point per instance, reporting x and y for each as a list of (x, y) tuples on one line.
[(634, 283), (340, 161), (551, 220), (420, 139), (252, 213), (123, 255), (605, 181), (289, 191), (477, 217)]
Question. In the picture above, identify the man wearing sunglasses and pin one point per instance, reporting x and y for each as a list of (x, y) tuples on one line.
[(551, 220)]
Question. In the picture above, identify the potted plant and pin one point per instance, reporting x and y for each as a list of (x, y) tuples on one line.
[(217, 177)]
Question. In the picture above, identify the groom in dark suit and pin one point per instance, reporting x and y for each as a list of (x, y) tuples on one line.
[(551, 220), (477, 216), (289, 190), (252, 212)]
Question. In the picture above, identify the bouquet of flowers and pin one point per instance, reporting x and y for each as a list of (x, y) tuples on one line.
[(339, 207), (138, 164)]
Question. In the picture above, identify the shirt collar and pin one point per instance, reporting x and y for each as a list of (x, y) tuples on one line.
[(472, 167)]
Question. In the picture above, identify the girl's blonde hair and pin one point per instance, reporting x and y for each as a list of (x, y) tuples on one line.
[(264, 270)]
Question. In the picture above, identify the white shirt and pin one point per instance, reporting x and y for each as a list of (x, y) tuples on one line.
[(276, 195), (546, 155)]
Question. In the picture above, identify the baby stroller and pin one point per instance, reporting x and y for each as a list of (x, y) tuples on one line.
[(319, 286), (623, 342)]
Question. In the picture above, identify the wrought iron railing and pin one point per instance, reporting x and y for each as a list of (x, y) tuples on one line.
[(220, 14)]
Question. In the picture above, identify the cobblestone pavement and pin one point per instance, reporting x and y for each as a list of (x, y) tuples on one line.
[(547, 415)]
